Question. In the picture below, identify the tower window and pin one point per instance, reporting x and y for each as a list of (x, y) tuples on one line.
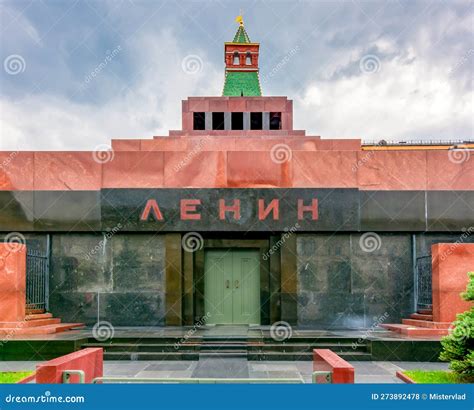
[(217, 120), (236, 58), (237, 120), (275, 120), (256, 121), (199, 121), (248, 59)]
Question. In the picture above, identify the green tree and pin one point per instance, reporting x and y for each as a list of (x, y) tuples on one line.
[(458, 346)]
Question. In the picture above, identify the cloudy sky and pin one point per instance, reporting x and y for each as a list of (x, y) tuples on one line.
[(77, 73)]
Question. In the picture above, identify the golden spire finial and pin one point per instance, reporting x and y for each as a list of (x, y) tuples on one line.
[(240, 18)]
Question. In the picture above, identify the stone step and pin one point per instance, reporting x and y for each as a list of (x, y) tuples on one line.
[(148, 347), (309, 347), (420, 316), (150, 356), (40, 330), (409, 330), (425, 311), (31, 323), (37, 316), (297, 356), (426, 323), (223, 353)]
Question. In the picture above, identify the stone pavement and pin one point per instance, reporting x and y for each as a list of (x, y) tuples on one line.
[(365, 372)]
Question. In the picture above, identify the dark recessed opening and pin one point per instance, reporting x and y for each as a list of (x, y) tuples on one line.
[(217, 120), (275, 120), (199, 121), (237, 120), (256, 121)]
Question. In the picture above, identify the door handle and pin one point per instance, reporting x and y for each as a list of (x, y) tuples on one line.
[(236, 284), (227, 284)]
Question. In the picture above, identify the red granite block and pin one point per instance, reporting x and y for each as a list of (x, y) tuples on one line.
[(324, 169), (165, 144), (450, 264), (327, 360), (275, 104), (16, 171), (195, 169), (237, 104), (256, 144), (126, 145), (198, 104), (450, 170), (12, 282), (254, 104), (137, 169), (256, 169), (219, 105), (89, 360), (68, 170), (391, 170)]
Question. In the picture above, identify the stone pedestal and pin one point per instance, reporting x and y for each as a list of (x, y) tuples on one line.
[(12, 283), (451, 262)]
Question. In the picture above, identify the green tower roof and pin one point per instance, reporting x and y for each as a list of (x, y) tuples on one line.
[(241, 36), (242, 84)]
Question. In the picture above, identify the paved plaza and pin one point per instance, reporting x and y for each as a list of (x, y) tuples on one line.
[(365, 372)]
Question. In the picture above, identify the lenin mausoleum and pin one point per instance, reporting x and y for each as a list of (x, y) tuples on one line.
[(240, 220)]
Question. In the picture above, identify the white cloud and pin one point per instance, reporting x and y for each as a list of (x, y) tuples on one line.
[(149, 105)]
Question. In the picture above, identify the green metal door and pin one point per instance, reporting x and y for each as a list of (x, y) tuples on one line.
[(232, 286)]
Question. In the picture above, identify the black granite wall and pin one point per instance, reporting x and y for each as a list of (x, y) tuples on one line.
[(114, 277), (341, 285)]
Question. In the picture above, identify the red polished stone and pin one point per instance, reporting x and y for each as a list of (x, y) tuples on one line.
[(67, 170), (140, 169), (89, 360), (126, 145), (198, 169), (450, 170), (256, 169), (391, 170), (450, 264), (16, 171), (327, 360), (165, 144), (324, 169), (12, 282)]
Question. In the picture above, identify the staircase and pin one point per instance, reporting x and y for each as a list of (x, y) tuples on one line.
[(36, 322), (420, 324), (252, 348)]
